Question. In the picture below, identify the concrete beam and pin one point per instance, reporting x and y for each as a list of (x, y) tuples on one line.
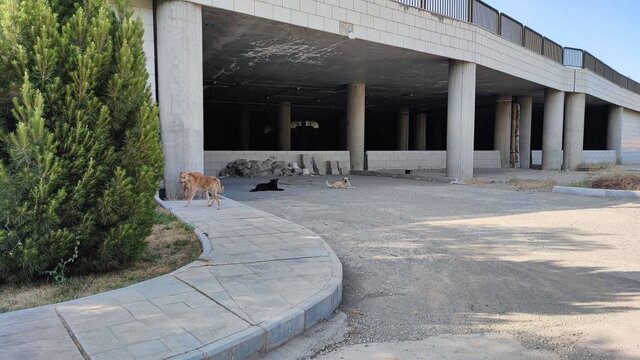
[(574, 130), (460, 119), (552, 129), (355, 124), (179, 43), (526, 109), (403, 129), (502, 129), (284, 126), (420, 131), (245, 130), (614, 131)]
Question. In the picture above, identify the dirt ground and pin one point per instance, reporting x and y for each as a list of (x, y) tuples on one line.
[(545, 272)]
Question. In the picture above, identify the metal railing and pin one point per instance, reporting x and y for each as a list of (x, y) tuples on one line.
[(488, 18)]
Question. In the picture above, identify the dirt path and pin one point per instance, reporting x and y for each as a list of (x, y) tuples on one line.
[(560, 274)]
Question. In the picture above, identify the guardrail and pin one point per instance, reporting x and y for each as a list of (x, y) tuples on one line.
[(488, 18)]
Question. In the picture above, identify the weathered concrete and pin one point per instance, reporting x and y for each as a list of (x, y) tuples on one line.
[(552, 129), (502, 128), (573, 130), (259, 281), (179, 43), (245, 130), (526, 109), (355, 124), (402, 141), (420, 131), (614, 131), (284, 126), (460, 119)]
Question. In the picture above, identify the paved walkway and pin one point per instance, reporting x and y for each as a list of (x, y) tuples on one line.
[(259, 281)]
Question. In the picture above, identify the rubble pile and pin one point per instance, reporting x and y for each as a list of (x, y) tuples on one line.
[(268, 167)]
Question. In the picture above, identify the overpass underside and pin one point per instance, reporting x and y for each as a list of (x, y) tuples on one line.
[(269, 85)]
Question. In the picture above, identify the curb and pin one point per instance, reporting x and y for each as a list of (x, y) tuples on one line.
[(605, 193), (274, 332), (430, 178)]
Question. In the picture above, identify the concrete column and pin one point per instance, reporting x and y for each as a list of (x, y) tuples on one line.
[(245, 131), (284, 126), (355, 125), (552, 129), (179, 46), (526, 109), (420, 132), (614, 131), (403, 129), (573, 130), (460, 119), (502, 129)]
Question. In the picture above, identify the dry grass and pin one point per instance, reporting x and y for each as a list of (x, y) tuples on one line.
[(172, 244), (531, 185), (618, 182)]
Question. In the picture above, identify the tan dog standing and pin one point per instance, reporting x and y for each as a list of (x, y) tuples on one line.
[(194, 181), (341, 184)]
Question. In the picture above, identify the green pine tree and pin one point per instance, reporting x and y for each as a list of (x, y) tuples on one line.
[(80, 153)]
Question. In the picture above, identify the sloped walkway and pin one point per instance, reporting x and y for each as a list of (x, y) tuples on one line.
[(259, 281)]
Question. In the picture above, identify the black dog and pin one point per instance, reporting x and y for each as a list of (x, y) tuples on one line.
[(272, 185)]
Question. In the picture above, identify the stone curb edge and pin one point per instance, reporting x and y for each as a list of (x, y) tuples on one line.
[(608, 193), (273, 332)]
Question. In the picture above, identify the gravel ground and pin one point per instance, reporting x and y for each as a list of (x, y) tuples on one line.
[(556, 273)]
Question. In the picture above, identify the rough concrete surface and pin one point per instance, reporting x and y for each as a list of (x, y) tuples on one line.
[(537, 271)]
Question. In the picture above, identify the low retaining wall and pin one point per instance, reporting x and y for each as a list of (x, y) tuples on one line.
[(588, 157), (609, 193), (379, 160), (630, 157), (214, 161)]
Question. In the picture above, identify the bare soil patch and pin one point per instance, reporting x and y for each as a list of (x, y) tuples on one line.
[(171, 245)]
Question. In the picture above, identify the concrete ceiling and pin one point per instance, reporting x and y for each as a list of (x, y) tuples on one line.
[(256, 61)]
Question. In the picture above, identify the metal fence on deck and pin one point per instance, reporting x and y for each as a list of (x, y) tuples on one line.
[(488, 18)]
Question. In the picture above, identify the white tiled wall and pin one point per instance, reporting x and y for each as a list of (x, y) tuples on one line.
[(378, 160), (214, 161), (588, 157), (391, 23), (144, 10)]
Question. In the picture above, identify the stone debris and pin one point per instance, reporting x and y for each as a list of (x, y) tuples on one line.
[(309, 165)]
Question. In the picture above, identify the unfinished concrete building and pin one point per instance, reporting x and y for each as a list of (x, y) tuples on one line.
[(451, 84)]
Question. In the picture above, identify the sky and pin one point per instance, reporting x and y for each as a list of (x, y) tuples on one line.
[(608, 29)]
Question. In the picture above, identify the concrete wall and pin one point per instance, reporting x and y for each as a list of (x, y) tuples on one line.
[(630, 137), (144, 10), (214, 161), (588, 157), (377, 160), (391, 23)]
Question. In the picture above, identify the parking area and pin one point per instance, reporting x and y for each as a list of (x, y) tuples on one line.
[(556, 273)]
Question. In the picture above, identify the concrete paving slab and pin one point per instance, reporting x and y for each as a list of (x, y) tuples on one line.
[(245, 293)]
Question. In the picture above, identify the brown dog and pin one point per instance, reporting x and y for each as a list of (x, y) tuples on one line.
[(194, 181)]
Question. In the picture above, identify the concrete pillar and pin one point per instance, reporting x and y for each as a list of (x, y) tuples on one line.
[(420, 132), (245, 131), (355, 124), (460, 119), (502, 129), (573, 130), (526, 109), (552, 129), (403, 129), (614, 131), (284, 126), (179, 46)]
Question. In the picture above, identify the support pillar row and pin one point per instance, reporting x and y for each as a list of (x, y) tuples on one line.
[(614, 131), (284, 126), (403, 129), (526, 109), (420, 134), (574, 130), (502, 129)]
